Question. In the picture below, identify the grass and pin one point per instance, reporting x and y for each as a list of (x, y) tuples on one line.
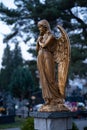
[(18, 123)]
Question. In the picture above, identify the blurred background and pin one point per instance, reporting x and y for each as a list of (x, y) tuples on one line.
[(20, 89)]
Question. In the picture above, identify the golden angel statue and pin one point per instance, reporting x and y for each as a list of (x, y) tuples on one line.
[(53, 54)]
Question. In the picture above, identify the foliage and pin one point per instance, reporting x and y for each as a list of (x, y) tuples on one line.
[(74, 127), (17, 59), (29, 124), (77, 65), (7, 68), (22, 84), (33, 68), (24, 25), (10, 61), (18, 123)]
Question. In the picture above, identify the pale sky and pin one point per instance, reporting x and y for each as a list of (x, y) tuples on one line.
[(8, 3), (4, 29)]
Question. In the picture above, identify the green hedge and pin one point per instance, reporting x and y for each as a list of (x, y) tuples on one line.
[(28, 124)]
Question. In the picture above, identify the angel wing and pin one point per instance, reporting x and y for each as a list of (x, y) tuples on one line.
[(62, 57)]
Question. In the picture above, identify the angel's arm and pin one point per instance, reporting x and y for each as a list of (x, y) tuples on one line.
[(47, 42), (37, 45)]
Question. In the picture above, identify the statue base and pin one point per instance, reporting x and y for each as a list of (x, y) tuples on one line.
[(52, 120), (53, 108)]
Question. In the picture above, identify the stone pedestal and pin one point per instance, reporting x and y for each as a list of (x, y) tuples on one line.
[(52, 120)]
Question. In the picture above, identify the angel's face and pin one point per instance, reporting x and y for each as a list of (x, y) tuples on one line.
[(42, 29)]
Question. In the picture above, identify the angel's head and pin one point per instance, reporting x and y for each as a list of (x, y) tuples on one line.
[(43, 26)]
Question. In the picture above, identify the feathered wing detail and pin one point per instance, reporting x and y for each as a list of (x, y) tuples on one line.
[(62, 57)]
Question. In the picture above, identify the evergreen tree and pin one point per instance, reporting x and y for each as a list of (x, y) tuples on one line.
[(17, 59), (10, 61), (6, 69), (64, 12), (22, 85), (33, 68)]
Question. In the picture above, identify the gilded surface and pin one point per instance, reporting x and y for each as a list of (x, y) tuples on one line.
[(52, 51)]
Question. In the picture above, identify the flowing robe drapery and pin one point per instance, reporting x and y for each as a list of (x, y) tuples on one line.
[(46, 67)]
